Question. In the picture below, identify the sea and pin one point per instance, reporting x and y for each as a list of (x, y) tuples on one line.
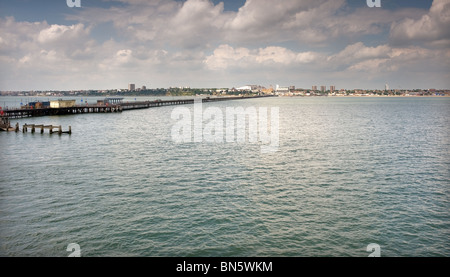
[(348, 172)]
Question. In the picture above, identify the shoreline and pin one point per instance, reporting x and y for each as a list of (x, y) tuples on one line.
[(216, 96), (387, 96)]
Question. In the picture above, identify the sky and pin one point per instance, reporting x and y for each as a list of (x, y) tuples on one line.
[(107, 44)]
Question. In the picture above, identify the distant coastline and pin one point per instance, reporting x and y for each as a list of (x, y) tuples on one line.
[(231, 92), (388, 96)]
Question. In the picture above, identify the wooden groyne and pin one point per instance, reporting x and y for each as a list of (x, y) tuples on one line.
[(51, 128), (33, 128), (110, 108)]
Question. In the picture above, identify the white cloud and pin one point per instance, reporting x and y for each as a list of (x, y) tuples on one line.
[(188, 24), (61, 32), (383, 60), (196, 23), (200, 23), (163, 42), (355, 58), (433, 27), (226, 56), (358, 52)]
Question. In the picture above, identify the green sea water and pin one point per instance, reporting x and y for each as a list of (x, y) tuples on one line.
[(348, 172)]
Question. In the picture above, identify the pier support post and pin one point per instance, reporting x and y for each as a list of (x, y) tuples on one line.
[(17, 127), (59, 130), (33, 128)]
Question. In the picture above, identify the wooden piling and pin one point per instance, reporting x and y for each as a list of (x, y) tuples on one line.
[(42, 127)]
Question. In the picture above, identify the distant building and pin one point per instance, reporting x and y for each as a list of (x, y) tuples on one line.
[(386, 87), (131, 87), (282, 89), (249, 88), (144, 87), (314, 87), (332, 88), (323, 88), (62, 103), (267, 90), (244, 88)]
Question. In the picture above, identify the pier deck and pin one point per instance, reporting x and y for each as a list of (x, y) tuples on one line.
[(30, 112), (106, 108)]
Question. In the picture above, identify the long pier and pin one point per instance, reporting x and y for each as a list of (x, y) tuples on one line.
[(111, 108), (33, 112)]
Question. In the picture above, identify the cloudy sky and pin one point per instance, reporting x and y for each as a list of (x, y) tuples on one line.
[(46, 45)]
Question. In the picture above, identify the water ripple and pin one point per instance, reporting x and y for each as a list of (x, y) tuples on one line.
[(348, 172)]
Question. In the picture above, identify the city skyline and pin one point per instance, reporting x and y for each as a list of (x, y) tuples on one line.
[(46, 45)]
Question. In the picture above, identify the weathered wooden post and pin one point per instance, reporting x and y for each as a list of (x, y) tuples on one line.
[(17, 127), (32, 128), (51, 129), (70, 130), (59, 130)]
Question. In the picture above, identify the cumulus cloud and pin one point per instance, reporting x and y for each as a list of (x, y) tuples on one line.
[(386, 59), (358, 52), (226, 56), (433, 27), (201, 23), (356, 57), (168, 41), (196, 23), (188, 24), (61, 32)]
